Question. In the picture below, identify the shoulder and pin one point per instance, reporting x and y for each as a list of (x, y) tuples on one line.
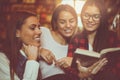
[(80, 35), (2, 55), (113, 38), (46, 35), (45, 32), (3, 58), (44, 29), (112, 33), (79, 40), (4, 63)]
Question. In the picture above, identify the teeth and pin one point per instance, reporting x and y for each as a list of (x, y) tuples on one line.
[(37, 39), (90, 25), (67, 30)]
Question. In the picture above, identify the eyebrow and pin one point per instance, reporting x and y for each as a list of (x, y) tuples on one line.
[(64, 19), (93, 13)]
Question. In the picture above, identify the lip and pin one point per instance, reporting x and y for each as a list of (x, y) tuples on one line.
[(90, 25)]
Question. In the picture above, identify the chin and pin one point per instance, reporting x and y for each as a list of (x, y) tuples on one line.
[(90, 29), (69, 36), (38, 45)]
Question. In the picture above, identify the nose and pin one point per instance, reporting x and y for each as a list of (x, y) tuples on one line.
[(90, 19), (38, 31), (68, 24)]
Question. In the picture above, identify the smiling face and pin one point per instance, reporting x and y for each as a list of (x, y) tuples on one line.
[(66, 24), (30, 31), (91, 18)]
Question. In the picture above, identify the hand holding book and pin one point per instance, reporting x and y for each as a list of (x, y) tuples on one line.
[(93, 69), (94, 61), (87, 57)]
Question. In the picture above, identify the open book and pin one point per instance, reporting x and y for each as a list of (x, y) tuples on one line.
[(88, 58)]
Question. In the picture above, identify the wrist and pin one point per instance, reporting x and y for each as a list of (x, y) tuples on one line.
[(39, 55), (32, 58)]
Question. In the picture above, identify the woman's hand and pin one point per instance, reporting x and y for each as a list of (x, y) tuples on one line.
[(47, 55), (93, 69), (31, 52), (64, 62)]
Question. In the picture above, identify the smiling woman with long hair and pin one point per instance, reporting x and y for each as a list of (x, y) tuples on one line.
[(22, 49), (95, 37)]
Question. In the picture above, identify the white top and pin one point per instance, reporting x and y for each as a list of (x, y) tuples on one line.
[(60, 51), (31, 69), (29, 74), (90, 47), (4, 68)]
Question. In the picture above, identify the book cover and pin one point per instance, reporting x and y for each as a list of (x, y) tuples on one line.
[(87, 58)]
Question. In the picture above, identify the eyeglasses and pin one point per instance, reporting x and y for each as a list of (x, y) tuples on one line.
[(95, 17)]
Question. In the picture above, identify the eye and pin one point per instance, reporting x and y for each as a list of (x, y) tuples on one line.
[(32, 27), (86, 15), (72, 20), (97, 16), (62, 22)]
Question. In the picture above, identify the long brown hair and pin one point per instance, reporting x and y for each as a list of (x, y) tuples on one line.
[(17, 19), (101, 37)]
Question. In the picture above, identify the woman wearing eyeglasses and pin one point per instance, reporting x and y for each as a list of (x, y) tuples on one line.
[(95, 37)]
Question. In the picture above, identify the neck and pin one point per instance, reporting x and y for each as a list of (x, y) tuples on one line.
[(58, 38), (91, 37), (91, 34)]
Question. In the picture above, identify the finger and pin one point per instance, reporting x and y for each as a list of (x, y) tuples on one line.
[(99, 66), (25, 49), (66, 64), (84, 74), (62, 64), (45, 58), (49, 59), (59, 63), (81, 68), (78, 65), (24, 45), (66, 60), (94, 65), (53, 57)]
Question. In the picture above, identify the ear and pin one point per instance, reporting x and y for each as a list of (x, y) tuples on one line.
[(17, 33)]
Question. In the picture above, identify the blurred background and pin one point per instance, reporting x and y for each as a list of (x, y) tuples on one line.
[(44, 9)]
